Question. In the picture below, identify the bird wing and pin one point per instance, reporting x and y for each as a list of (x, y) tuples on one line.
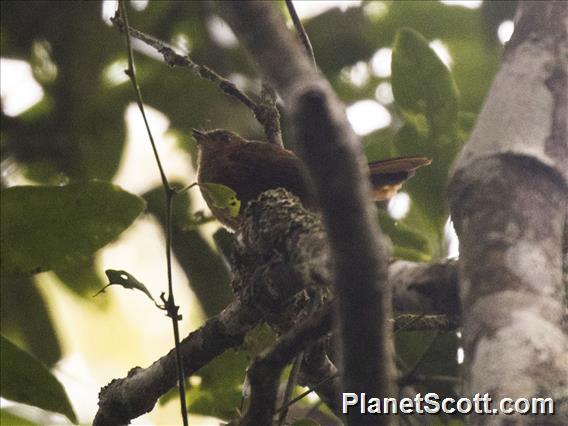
[(397, 165), (263, 166)]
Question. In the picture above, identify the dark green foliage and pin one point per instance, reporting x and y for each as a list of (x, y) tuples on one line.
[(35, 333), (25, 379), (46, 227)]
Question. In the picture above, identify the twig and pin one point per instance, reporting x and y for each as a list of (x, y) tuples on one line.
[(301, 31), (410, 322), (316, 368), (268, 115), (306, 393), (170, 305), (131, 73), (265, 113), (292, 380), (438, 378), (407, 324)]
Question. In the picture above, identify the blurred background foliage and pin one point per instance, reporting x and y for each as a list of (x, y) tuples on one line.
[(77, 132)]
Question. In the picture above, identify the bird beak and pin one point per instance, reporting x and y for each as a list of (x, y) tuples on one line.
[(198, 135)]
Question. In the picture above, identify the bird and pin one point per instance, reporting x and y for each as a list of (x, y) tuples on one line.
[(252, 167)]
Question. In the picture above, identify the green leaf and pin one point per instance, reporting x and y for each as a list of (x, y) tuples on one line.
[(219, 393), (379, 145), (82, 277), (427, 96), (7, 418), (44, 227), (258, 340), (429, 209), (25, 379), (222, 197), (25, 319), (423, 87), (433, 353), (410, 254), (408, 244), (208, 274)]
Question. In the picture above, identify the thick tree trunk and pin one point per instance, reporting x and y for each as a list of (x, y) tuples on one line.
[(508, 197)]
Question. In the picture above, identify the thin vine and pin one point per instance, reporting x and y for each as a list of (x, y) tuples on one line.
[(169, 302)]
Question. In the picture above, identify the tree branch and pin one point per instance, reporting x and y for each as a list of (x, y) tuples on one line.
[(265, 111), (281, 250), (125, 399), (426, 288)]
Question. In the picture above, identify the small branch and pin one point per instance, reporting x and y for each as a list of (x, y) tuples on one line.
[(428, 288), (290, 385), (320, 375), (408, 322), (265, 370), (301, 31), (131, 73), (265, 112), (306, 393), (269, 116), (361, 281)]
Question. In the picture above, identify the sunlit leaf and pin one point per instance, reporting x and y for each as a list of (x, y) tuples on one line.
[(427, 96), (379, 145), (222, 197)]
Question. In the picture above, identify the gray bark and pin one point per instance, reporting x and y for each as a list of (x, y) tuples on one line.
[(508, 197)]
